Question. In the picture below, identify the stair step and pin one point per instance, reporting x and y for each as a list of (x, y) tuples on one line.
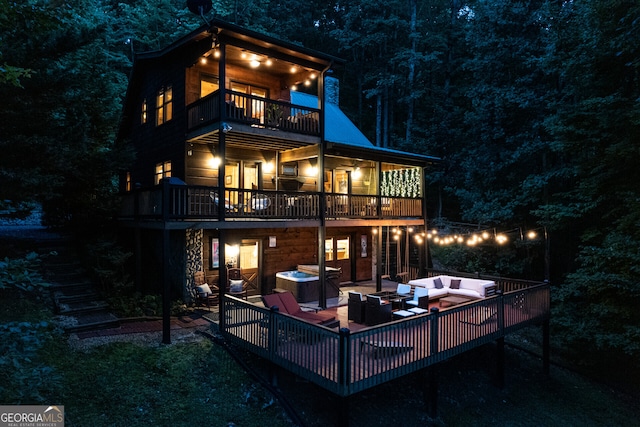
[(78, 307), (83, 296), (71, 287), (94, 321)]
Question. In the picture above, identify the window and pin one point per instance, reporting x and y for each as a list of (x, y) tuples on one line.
[(143, 112), (164, 105), (163, 170), (208, 84), (255, 109), (128, 182)]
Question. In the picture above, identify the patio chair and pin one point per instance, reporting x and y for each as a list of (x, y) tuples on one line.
[(237, 286), (204, 294), (377, 311), (403, 289), (356, 307), (420, 298)]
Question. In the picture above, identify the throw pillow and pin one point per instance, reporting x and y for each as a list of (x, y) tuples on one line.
[(236, 285), (204, 290), (455, 284), (438, 283)]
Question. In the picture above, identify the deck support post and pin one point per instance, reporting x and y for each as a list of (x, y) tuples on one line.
[(431, 392), (166, 289), (500, 363), (343, 413), (545, 347)]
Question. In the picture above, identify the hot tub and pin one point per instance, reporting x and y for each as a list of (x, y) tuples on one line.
[(304, 286)]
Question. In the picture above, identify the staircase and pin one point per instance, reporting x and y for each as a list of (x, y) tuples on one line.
[(74, 295)]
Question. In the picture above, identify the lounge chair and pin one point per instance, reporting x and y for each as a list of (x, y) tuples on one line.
[(286, 303)]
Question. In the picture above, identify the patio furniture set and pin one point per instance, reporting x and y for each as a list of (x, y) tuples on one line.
[(413, 298)]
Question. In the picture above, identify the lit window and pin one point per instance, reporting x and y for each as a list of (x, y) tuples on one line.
[(163, 170), (143, 113), (128, 182), (208, 84), (164, 105)]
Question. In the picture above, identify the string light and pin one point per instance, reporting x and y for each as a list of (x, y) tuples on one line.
[(478, 237)]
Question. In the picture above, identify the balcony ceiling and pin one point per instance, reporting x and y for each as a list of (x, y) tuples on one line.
[(258, 139), (267, 62)]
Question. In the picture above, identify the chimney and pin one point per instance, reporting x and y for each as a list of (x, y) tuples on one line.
[(331, 89)]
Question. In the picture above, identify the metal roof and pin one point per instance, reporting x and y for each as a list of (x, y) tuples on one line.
[(341, 131)]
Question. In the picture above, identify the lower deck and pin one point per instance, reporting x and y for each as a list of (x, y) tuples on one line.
[(353, 358)]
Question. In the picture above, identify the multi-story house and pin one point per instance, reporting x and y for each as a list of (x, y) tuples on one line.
[(245, 160)]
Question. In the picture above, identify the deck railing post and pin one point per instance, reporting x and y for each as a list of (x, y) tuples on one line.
[(272, 343), (433, 332), (500, 342), (500, 295), (344, 360), (344, 375)]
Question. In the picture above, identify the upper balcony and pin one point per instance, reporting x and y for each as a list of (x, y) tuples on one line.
[(206, 114), (253, 85)]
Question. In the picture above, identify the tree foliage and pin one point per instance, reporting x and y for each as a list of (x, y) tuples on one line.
[(531, 104)]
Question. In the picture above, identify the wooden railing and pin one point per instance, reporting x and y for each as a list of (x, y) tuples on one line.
[(253, 110), (346, 363), (182, 202)]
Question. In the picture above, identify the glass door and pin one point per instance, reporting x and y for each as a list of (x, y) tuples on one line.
[(246, 257), (338, 255)]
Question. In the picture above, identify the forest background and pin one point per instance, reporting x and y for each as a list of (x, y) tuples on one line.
[(533, 107)]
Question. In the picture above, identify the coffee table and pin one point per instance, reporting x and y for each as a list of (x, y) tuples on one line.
[(452, 300)]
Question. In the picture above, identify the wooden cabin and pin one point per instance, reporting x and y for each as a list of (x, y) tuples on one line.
[(245, 160)]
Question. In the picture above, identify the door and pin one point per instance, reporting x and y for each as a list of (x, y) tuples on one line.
[(338, 255), (246, 256)]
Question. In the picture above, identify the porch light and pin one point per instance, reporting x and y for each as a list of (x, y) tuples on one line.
[(267, 167), (356, 174), (203, 60), (254, 63), (269, 63), (501, 239), (532, 235), (313, 76), (214, 162), (216, 53), (293, 69)]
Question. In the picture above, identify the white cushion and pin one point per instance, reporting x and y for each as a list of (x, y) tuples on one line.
[(404, 313), (418, 310), (236, 285), (403, 289), (204, 290), (465, 292)]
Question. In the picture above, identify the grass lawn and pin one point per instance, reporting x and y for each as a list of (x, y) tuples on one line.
[(124, 384)]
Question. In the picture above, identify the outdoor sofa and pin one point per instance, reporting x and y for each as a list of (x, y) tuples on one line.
[(442, 286)]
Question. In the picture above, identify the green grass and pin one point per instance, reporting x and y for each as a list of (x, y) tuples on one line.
[(197, 384), (124, 384)]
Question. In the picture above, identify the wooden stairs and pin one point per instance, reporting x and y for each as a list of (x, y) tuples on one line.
[(74, 294)]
